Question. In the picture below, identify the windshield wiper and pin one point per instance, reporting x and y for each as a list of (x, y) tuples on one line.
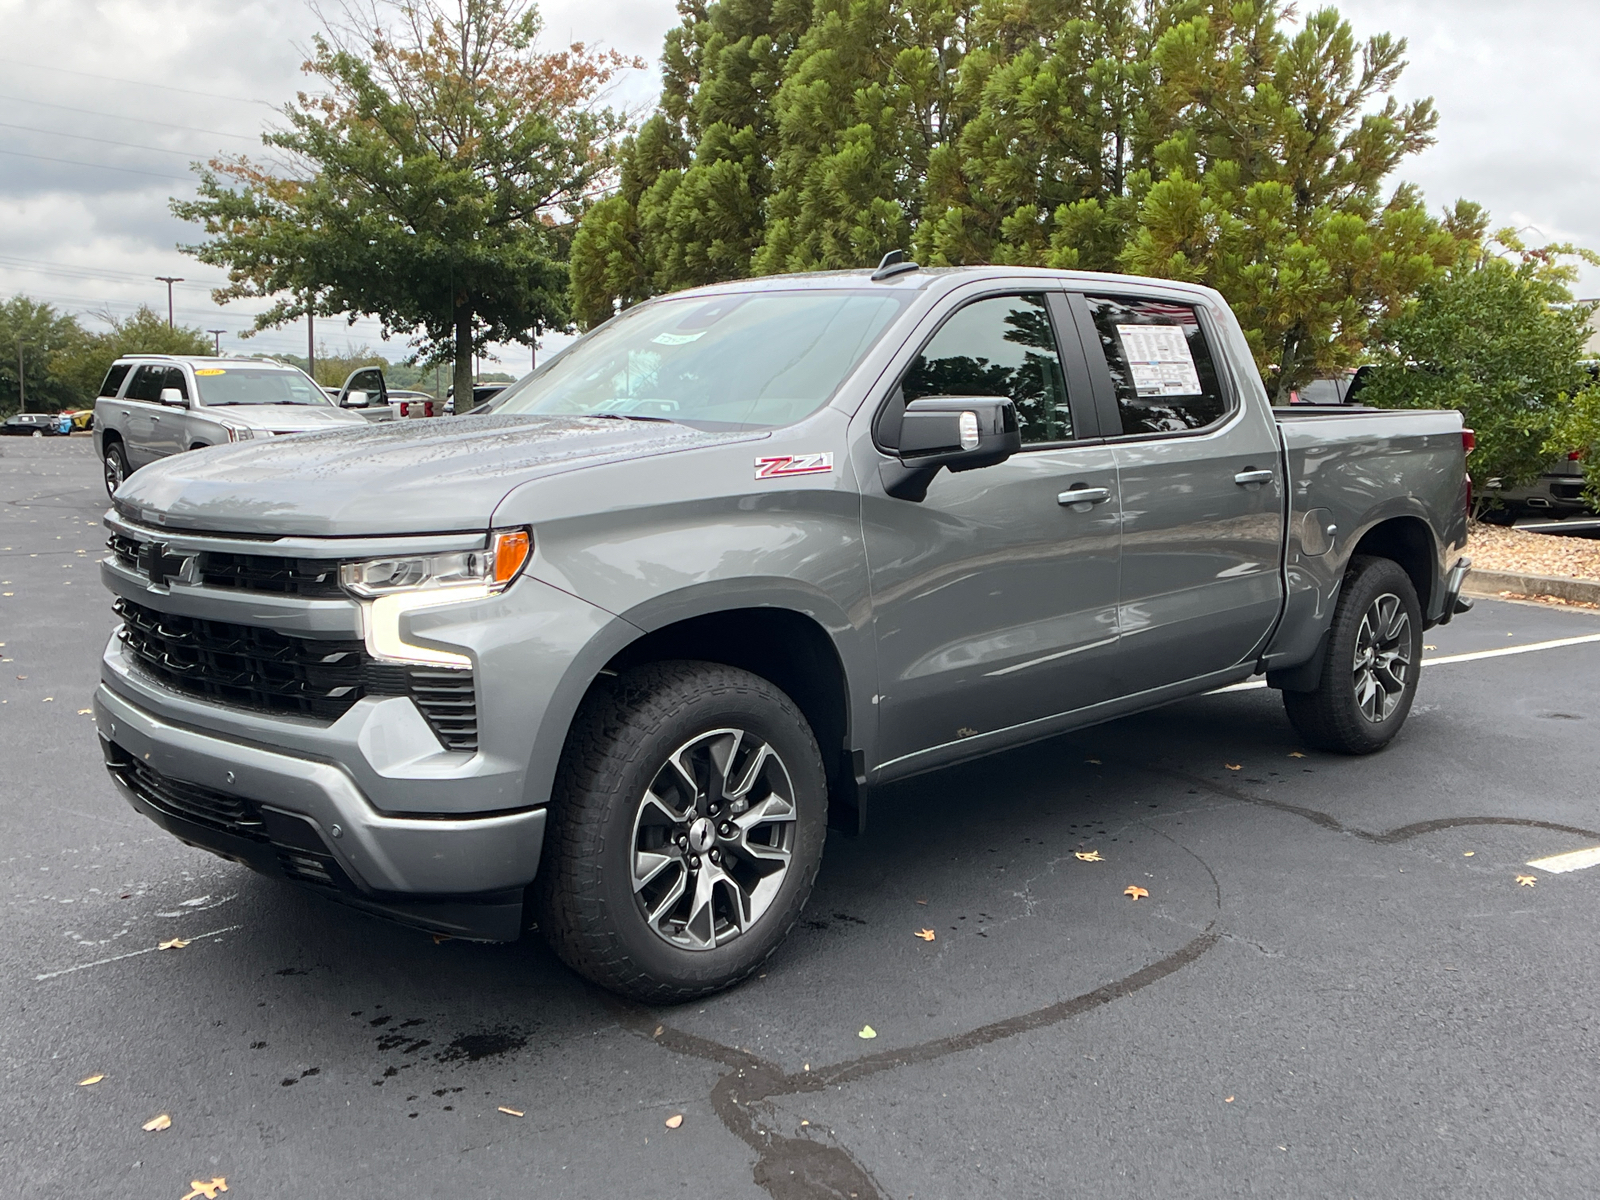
[(617, 416)]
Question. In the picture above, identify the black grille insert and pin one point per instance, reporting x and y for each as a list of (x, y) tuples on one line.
[(267, 573), (275, 672), (202, 805)]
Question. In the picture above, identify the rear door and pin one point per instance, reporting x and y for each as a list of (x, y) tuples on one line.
[(993, 599), (142, 402), (1202, 500)]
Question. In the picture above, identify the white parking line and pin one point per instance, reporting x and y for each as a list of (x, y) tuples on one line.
[(100, 962), (1444, 659), (1572, 860)]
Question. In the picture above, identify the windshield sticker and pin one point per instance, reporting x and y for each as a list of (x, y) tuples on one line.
[(677, 339), (1159, 360), (777, 465), (209, 371)]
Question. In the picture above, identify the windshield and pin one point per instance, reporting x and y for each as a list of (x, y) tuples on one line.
[(752, 361), (257, 385)]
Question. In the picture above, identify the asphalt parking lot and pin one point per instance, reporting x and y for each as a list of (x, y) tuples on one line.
[(1336, 985)]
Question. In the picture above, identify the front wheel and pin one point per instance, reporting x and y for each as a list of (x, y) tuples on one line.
[(687, 827), (1370, 666)]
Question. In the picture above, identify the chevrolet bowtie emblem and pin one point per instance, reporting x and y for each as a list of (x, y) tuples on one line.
[(161, 566)]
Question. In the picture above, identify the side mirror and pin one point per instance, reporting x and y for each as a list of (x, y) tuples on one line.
[(173, 397), (355, 399), (961, 433)]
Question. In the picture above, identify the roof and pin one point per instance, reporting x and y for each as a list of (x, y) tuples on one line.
[(209, 360)]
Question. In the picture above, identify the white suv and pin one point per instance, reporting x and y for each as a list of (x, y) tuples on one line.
[(153, 405)]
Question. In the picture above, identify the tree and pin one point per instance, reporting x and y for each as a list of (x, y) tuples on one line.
[(435, 184), (80, 362), (1216, 142), (1497, 337), (30, 333)]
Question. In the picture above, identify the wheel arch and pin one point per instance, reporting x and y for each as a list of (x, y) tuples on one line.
[(1408, 541)]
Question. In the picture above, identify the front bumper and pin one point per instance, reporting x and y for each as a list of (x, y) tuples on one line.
[(308, 822)]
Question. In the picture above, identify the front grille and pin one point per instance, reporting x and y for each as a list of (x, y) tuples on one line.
[(125, 550), (253, 667), (269, 671), (267, 573)]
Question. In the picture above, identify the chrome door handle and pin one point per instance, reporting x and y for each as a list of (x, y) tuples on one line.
[(1251, 478), (1084, 495)]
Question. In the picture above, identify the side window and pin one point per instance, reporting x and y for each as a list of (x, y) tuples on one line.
[(114, 378), (1165, 377), (1002, 346), (147, 384), (175, 379)]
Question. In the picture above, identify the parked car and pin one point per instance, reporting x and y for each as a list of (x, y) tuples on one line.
[(366, 392), (1557, 493), (154, 405), (1341, 386), (32, 424), (482, 393), (617, 651), (414, 404), (82, 418)]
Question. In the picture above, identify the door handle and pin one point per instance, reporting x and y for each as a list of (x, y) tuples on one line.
[(1084, 495), (1252, 478)]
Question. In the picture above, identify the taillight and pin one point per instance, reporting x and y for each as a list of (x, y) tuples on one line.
[(1574, 455), (1469, 441)]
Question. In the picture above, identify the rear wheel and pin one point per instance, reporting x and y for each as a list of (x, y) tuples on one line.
[(688, 824), (1370, 666), (116, 463)]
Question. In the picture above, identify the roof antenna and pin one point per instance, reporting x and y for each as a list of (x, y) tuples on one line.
[(894, 263)]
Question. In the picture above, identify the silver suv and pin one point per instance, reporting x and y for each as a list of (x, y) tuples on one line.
[(153, 405)]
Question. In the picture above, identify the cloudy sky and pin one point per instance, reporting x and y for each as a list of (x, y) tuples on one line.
[(104, 103)]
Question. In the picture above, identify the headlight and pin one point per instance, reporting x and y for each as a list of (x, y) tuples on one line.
[(493, 568), (391, 587), (237, 433)]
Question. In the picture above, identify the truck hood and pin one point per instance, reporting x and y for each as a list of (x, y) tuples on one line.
[(424, 476), (283, 418)]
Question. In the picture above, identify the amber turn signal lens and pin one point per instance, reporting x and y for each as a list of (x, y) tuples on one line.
[(511, 550)]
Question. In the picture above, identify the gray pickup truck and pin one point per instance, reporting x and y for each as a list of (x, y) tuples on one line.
[(614, 653), (153, 405)]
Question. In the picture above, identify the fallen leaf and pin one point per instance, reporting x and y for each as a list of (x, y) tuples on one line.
[(91, 1079), (1234, 766), (1095, 761), (673, 1121), (659, 1030), (208, 1190), (803, 1124), (867, 1032), (926, 935), (440, 937), (921, 901), (1430, 647), (1227, 1099), (156, 1124), (1087, 855), (47, 700), (1295, 754), (1527, 880), (511, 1112), (84, 712), (1468, 853), (173, 944), (1134, 890)]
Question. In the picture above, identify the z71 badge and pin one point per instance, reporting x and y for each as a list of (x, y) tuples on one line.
[(776, 465)]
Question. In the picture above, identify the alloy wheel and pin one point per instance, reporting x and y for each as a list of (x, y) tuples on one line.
[(713, 838), (1382, 658)]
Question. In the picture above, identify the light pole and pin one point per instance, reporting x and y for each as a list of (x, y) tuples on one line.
[(169, 280), (22, 387), (216, 337)]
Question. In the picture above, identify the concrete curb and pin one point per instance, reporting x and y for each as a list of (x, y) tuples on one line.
[(1492, 583)]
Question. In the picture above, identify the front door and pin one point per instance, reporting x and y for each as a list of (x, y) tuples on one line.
[(1202, 499), (994, 598)]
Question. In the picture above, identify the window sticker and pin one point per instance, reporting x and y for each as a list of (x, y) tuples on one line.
[(677, 339), (209, 371), (1159, 359)]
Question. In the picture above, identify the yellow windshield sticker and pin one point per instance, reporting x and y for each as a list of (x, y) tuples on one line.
[(209, 371)]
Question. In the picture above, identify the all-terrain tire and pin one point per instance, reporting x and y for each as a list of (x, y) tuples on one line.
[(1377, 605), (116, 466), (618, 748)]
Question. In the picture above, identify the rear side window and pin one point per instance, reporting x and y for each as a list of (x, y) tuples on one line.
[(1001, 346), (147, 384), (1162, 369), (114, 378)]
